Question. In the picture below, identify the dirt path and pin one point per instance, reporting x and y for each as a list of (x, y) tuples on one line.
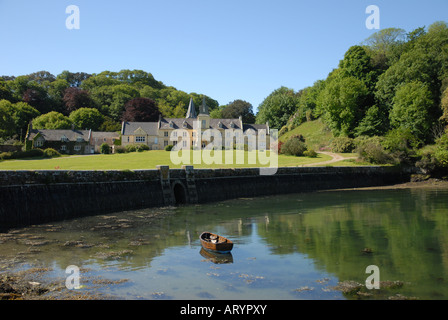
[(336, 158)]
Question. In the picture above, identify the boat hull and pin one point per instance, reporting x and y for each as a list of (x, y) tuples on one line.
[(215, 243)]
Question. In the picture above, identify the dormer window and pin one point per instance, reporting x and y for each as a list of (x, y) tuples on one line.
[(232, 125), (184, 125), (171, 124), (220, 124), (64, 139), (79, 139)]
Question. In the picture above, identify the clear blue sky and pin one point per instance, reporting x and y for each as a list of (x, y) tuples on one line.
[(225, 49)]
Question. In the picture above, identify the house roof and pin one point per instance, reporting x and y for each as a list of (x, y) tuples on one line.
[(102, 135), (178, 123), (56, 135), (129, 128), (255, 127)]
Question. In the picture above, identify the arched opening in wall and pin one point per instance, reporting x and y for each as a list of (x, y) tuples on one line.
[(179, 194)]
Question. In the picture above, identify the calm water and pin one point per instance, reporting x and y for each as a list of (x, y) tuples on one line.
[(286, 247)]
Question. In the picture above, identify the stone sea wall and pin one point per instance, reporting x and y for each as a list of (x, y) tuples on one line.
[(34, 197)]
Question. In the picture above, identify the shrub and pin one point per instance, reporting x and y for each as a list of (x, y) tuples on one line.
[(119, 149), (372, 151), (168, 147), (105, 148), (131, 148), (33, 153), (142, 147), (310, 153), (401, 145), (342, 145), (51, 153), (294, 146), (5, 155)]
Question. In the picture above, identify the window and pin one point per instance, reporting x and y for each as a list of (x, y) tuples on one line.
[(128, 139), (174, 133), (63, 148), (204, 123), (64, 139), (165, 134), (77, 148), (184, 134), (156, 140), (140, 139), (39, 143), (79, 139), (184, 144), (165, 143)]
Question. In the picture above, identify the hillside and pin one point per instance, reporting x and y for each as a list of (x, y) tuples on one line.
[(317, 134)]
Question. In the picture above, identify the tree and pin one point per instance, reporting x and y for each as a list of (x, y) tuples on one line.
[(87, 118), (37, 97), (141, 110), (52, 120), (374, 123), (342, 100), (278, 107), (411, 104), (22, 114), (6, 120), (444, 106), (239, 108), (75, 98), (73, 79)]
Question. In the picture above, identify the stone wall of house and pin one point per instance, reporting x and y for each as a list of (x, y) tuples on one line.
[(34, 197)]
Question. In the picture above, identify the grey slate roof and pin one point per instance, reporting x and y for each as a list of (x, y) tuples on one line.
[(149, 127), (191, 113), (56, 135), (254, 127)]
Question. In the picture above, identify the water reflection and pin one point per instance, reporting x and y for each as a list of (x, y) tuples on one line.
[(285, 247), (216, 258)]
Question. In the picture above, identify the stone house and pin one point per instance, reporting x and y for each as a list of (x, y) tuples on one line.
[(157, 135), (69, 141)]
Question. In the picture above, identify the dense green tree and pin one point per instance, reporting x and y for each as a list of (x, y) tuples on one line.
[(343, 100), (87, 118), (22, 114), (6, 120), (278, 107), (239, 108), (411, 104), (52, 120), (374, 123)]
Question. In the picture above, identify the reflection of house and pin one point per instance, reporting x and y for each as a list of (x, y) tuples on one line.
[(157, 135), (70, 141)]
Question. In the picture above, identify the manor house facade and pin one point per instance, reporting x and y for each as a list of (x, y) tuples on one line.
[(158, 135)]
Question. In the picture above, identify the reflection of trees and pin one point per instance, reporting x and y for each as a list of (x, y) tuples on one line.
[(403, 228)]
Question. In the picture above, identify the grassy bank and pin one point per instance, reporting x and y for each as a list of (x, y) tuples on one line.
[(142, 160)]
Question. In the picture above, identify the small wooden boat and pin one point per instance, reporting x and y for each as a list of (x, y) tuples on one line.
[(214, 242)]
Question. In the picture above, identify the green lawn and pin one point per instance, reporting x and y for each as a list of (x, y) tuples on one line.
[(316, 134), (138, 160)]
